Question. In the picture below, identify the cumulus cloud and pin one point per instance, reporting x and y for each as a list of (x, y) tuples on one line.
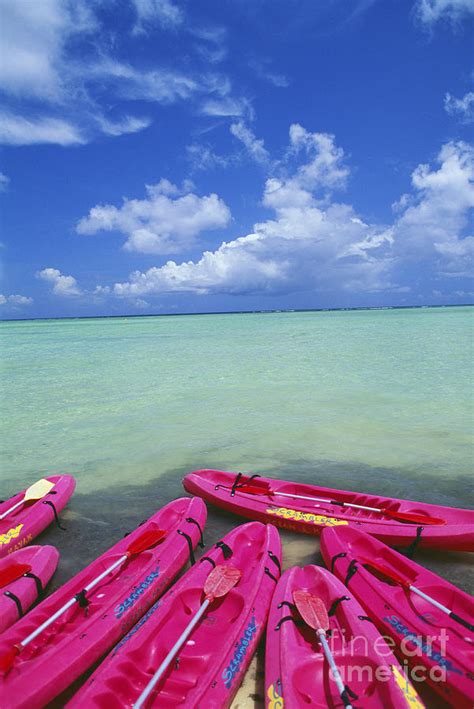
[(166, 221), (15, 300), (461, 108), (62, 285), (316, 243), (429, 12)]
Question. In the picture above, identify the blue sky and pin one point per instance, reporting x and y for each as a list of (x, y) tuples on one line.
[(169, 156)]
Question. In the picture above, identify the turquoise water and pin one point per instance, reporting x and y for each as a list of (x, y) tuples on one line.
[(127, 400), (375, 401)]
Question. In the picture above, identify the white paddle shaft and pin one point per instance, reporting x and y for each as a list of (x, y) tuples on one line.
[(335, 672), (2, 516), (430, 600), (322, 499), (71, 602), (170, 656)]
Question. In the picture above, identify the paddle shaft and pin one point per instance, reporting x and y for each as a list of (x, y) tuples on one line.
[(72, 601), (12, 509), (336, 674), (332, 502), (442, 608), (170, 656)]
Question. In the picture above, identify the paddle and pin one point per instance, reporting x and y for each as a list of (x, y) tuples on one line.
[(12, 573), (145, 541), (314, 613), (413, 517), (393, 576), (219, 582), (35, 492)]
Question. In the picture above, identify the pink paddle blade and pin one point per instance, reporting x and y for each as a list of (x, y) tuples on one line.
[(220, 581), (385, 573), (147, 540), (311, 609), (12, 573)]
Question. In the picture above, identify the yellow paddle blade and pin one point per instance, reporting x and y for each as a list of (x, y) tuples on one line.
[(38, 490)]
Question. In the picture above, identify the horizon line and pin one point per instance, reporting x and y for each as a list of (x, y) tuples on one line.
[(244, 312)]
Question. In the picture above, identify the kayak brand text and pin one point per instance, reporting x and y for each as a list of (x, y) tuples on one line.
[(243, 643), (130, 601)]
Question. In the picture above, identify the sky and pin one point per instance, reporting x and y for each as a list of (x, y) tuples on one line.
[(169, 156)]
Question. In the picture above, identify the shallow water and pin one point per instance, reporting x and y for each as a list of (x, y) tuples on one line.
[(376, 401)]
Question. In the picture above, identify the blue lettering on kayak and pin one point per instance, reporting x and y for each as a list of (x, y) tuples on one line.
[(425, 648), (243, 643), (136, 594), (137, 627)]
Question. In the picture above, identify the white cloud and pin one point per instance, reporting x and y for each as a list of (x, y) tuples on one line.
[(254, 146), (16, 130), (34, 36), (227, 107), (320, 244), (212, 47), (65, 83), (431, 11), (128, 124), (160, 85), (461, 108), (165, 222), (62, 285), (161, 12), (15, 300), (260, 67), (4, 182), (202, 157)]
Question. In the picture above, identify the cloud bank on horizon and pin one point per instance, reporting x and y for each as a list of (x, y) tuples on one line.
[(158, 175)]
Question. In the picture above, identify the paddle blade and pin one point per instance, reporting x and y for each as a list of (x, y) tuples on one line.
[(147, 540), (12, 573), (220, 581), (413, 517), (311, 609), (256, 489), (38, 490), (386, 573), (8, 658)]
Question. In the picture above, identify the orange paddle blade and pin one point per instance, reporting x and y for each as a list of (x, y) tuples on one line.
[(413, 517), (220, 581), (311, 609), (147, 540), (386, 572), (12, 573)]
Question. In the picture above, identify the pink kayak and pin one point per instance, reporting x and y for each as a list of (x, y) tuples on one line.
[(23, 578), (28, 519), (297, 673), (439, 648), (100, 617), (210, 666), (286, 504)]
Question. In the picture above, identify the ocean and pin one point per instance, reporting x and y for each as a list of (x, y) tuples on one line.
[(372, 400)]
